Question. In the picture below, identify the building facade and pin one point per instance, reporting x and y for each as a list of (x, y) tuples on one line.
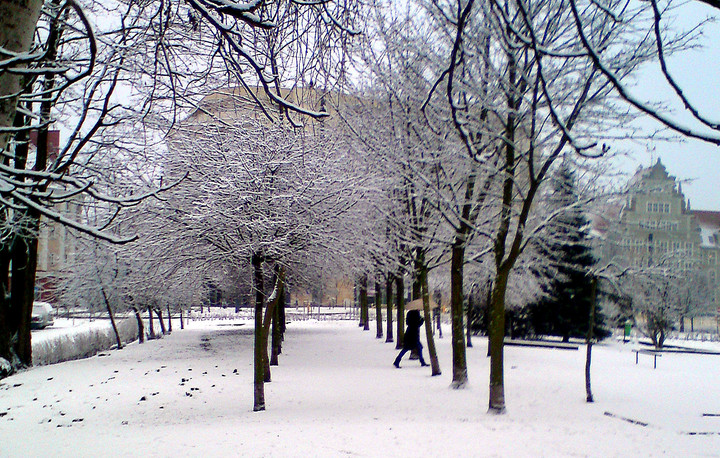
[(657, 228)]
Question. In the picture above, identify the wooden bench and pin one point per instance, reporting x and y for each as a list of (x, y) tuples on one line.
[(654, 353)]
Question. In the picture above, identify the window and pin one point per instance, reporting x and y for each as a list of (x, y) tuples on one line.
[(658, 207)]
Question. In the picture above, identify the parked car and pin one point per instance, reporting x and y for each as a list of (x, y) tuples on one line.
[(41, 315)]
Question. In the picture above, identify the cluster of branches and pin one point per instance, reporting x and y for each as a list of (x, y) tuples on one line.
[(114, 78)]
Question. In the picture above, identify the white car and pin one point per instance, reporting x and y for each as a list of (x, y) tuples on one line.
[(41, 315)]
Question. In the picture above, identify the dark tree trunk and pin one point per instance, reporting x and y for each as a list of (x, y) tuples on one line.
[(389, 299), (269, 312), (169, 319), (589, 339), (378, 310), (16, 346), (141, 327), (364, 312), (460, 377), (259, 366), (276, 337), (112, 319), (158, 312), (434, 362), (488, 307), (150, 321), (416, 294), (496, 330), (468, 328), (277, 327), (182, 320), (400, 309)]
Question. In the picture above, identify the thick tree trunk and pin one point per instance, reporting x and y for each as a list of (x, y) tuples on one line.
[(496, 330), (378, 310), (400, 309), (22, 292), (259, 366), (158, 312), (15, 317), (389, 299), (460, 377), (141, 327), (182, 320), (18, 20), (434, 362)]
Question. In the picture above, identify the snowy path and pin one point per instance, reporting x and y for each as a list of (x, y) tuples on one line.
[(336, 394)]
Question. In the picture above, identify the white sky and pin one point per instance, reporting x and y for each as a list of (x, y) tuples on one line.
[(698, 72)]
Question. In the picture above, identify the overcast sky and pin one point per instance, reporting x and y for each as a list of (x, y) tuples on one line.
[(699, 74)]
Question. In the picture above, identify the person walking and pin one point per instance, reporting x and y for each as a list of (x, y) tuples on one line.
[(411, 341)]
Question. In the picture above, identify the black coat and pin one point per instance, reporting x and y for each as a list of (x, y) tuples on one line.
[(412, 333)]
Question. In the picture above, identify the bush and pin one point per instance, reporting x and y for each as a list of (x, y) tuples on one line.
[(84, 344)]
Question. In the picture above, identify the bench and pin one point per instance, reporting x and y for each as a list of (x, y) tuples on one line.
[(654, 353)]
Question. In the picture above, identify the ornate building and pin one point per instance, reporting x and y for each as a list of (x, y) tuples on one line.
[(655, 226)]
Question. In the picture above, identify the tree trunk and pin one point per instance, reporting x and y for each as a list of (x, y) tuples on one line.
[(269, 312), (378, 310), (496, 330), (112, 319), (589, 339), (488, 307), (278, 327), (364, 312), (434, 362), (182, 321), (259, 366), (150, 321), (468, 328), (141, 327), (400, 306), (460, 377), (169, 319), (158, 312), (18, 20), (275, 342), (22, 292), (389, 300)]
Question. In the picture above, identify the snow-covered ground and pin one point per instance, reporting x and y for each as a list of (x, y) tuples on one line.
[(336, 393)]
